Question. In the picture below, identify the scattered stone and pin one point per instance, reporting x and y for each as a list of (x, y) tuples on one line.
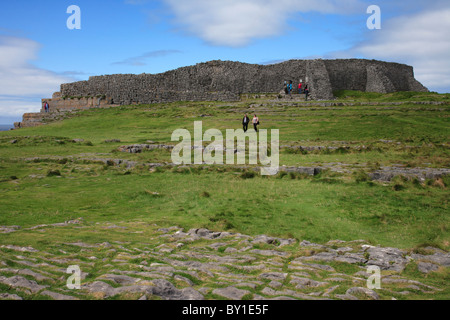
[(7, 296), (286, 242), (328, 291), (344, 249), (264, 239), (190, 294), (388, 173), (427, 267), (305, 243), (231, 293), (184, 279), (99, 289), (387, 258), (269, 291), (270, 252), (204, 290), (167, 291), (275, 284), (272, 240), (351, 258), (57, 296), (364, 291), (439, 258), (166, 250), (230, 250), (273, 276), (21, 249), (21, 282), (246, 284), (320, 266), (321, 256), (138, 148), (336, 279), (346, 297), (37, 276), (8, 229), (305, 282), (362, 274), (119, 279)]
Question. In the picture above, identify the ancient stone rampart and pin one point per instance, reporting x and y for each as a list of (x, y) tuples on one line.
[(227, 81)]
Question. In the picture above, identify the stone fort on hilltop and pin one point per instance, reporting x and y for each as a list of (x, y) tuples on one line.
[(227, 80)]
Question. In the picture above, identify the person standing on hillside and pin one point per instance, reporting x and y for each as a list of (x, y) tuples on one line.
[(255, 123), (245, 122), (300, 88)]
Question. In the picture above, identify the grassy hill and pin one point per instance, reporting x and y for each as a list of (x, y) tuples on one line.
[(55, 173), (318, 209)]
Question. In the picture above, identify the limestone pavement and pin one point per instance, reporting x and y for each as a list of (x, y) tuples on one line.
[(197, 264)]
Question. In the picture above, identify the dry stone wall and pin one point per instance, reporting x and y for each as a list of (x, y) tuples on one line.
[(226, 80)]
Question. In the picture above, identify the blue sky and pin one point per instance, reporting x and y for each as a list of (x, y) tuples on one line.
[(38, 52)]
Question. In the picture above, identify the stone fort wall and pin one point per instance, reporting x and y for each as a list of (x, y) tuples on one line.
[(226, 80)]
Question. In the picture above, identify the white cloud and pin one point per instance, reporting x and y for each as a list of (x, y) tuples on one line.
[(421, 40), (21, 83), (16, 107), (236, 22)]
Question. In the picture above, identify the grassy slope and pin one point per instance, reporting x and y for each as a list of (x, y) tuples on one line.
[(317, 209)]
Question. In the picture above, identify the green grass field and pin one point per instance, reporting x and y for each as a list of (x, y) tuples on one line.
[(47, 178), (326, 207)]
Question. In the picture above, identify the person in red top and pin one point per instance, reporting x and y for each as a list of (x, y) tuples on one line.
[(300, 88)]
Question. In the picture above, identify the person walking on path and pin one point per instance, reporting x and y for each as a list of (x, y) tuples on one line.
[(245, 122), (255, 123)]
